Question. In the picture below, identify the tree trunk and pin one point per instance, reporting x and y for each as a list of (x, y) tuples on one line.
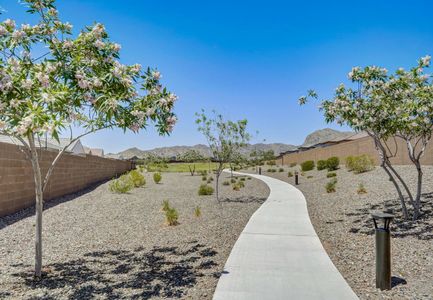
[(400, 194), (39, 206), (409, 193), (417, 208)]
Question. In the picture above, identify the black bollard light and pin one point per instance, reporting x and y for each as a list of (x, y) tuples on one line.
[(296, 178), (383, 250), (260, 170)]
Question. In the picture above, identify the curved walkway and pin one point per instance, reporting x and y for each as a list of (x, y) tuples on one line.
[(279, 255)]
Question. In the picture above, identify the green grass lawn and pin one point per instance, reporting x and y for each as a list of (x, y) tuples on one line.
[(183, 167)]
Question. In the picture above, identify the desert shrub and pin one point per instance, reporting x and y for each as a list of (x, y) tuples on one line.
[(302, 173), (209, 181), (331, 185), (331, 174), (293, 165), (171, 216), (203, 172), (242, 179), (332, 163), (269, 170), (361, 189), (121, 185), (211, 178), (137, 178), (226, 182), (157, 177), (165, 205), (233, 180), (197, 211), (249, 178), (236, 186), (310, 176), (362, 163), (290, 174), (321, 165), (281, 170), (204, 178), (205, 190), (307, 165), (349, 162), (241, 184), (271, 163)]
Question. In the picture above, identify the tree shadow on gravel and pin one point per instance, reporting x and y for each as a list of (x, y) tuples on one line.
[(30, 211), (124, 274), (421, 229), (244, 199)]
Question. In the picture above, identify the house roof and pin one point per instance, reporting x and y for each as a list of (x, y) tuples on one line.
[(49, 143)]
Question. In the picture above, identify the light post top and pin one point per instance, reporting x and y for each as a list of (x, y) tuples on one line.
[(386, 217)]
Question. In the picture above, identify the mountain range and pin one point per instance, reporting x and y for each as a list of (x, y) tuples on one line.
[(315, 137)]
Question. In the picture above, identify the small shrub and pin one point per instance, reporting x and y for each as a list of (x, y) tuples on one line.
[(310, 176), (236, 187), (226, 182), (209, 181), (171, 216), (293, 165), (241, 184), (205, 190), (332, 163), (157, 177), (290, 174), (121, 185), (361, 189), (321, 165), (281, 170), (331, 174), (349, 162), (165, 205), (203, 173), (330, 186), (204, 178), (137, 178), (211, 178), (362, 163), (249, 178), (242, 179), (307, 165), (302, 173), (269, 170), (197, 211), (233, 180)]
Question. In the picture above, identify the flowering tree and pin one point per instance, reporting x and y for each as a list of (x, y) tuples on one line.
[(77, 82), (225, 138), (388, 107)]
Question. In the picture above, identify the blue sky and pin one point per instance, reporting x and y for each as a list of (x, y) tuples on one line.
[(251, 59)]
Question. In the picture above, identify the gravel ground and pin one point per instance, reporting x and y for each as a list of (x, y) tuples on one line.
[(101, 245), (342, 221)]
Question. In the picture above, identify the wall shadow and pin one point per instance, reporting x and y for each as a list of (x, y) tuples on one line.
[(30, 211), (127, 274)]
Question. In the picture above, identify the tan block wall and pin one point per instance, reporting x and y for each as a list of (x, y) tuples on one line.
[(357, 147), (71, 174)]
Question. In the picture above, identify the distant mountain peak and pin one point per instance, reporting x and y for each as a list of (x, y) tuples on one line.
[(324, 135)]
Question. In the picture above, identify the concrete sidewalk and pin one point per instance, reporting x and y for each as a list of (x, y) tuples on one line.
[(279, 255)]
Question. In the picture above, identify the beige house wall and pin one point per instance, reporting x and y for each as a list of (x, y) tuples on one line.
[(360, 146), (71, 174)]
